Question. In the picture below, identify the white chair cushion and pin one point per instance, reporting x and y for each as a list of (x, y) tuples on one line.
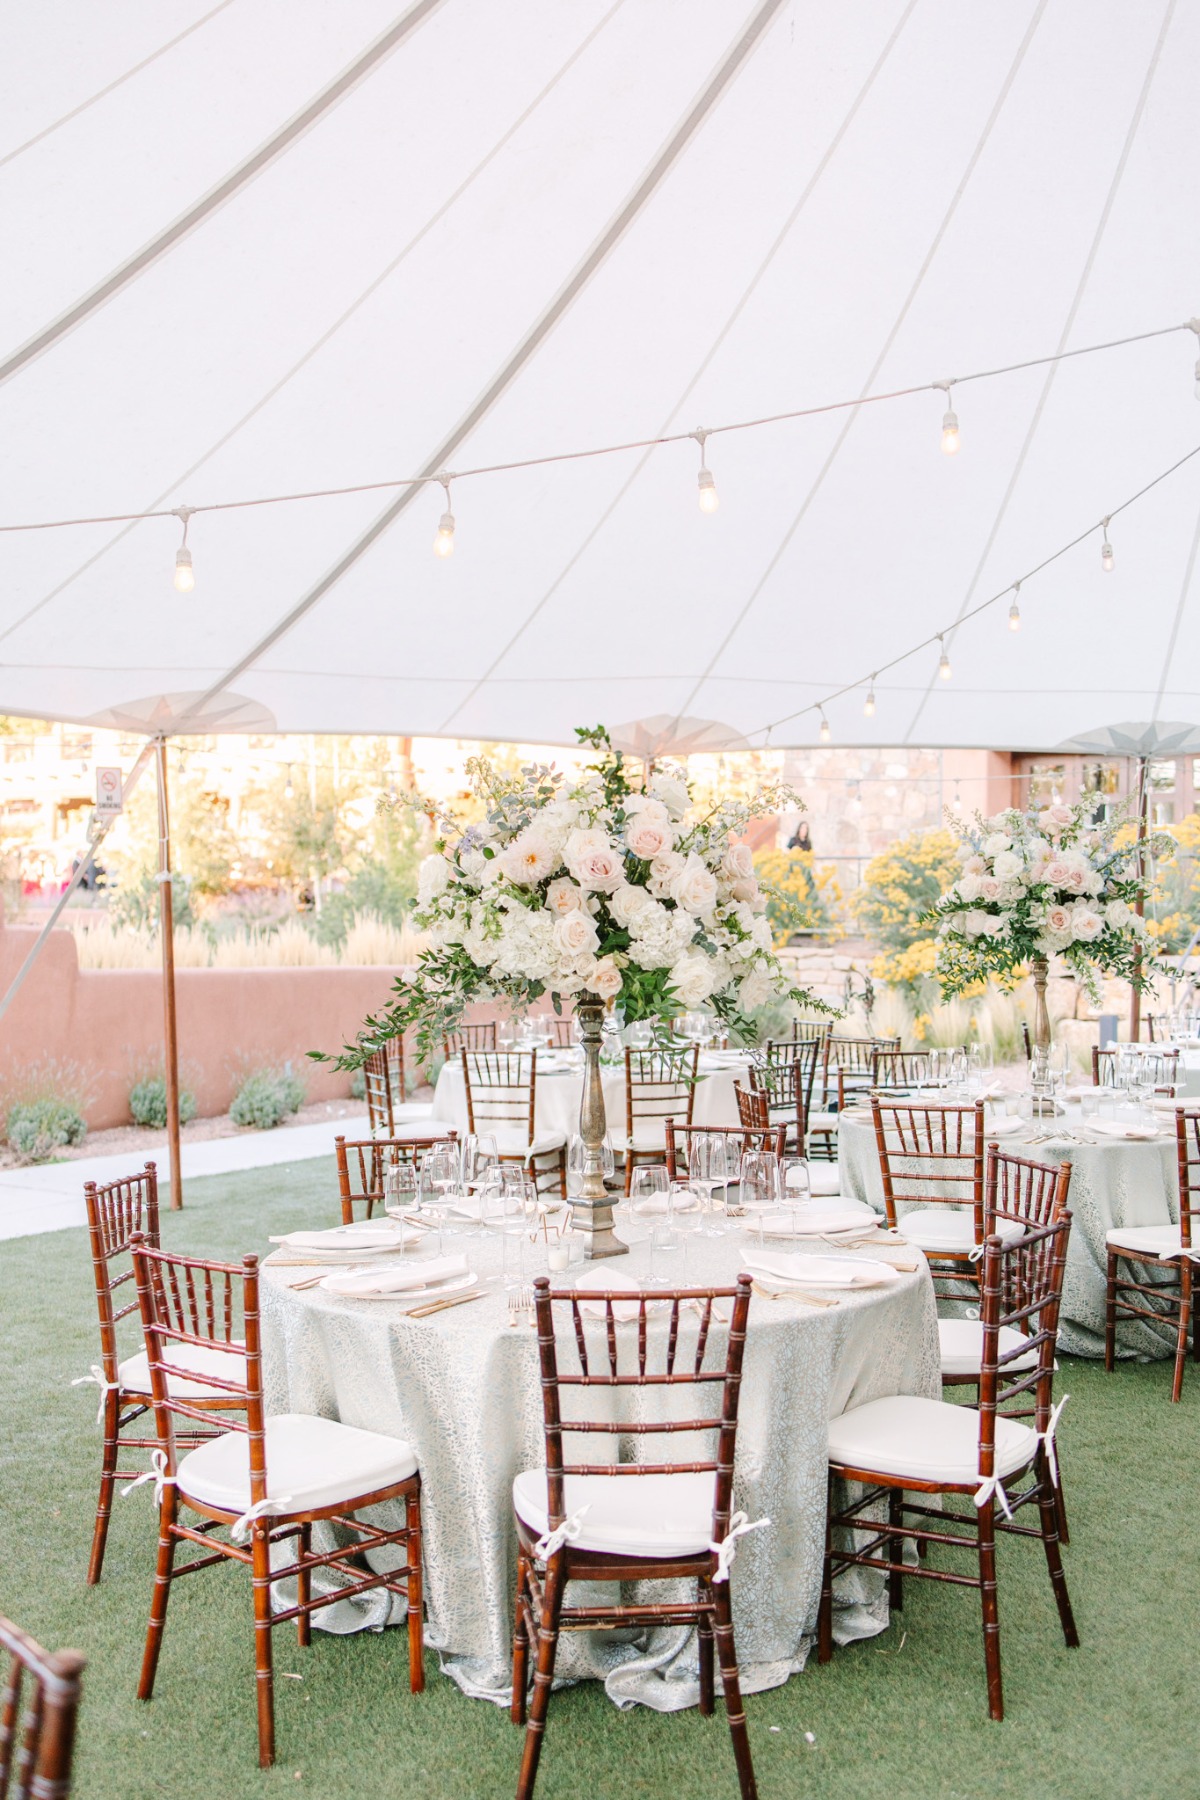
[(961, 1342), (134, 1372), (927, 1440), (311, 1463), (648, 1134), (822, 1121), (515, 1143), (1151, 1240), (630, 1515), (945, 1229), (824, 1181)]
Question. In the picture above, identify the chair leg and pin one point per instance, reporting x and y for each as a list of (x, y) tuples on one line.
[(1060, 1507), (160, 1594), (825, 1613), (543, 1677), (1185, 1296), (727, 1655), (520, 1665), (895, 1552), (562, 1173), (108, 1470), (706, 1653), (260, 1549), (991, 1610), (1110, 1313), (1058, 1579), (304, 1590), (416, 1593)]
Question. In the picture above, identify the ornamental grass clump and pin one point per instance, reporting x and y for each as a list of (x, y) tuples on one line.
[(267, 1097), (596, 889)]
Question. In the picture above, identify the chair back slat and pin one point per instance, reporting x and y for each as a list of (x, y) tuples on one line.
[(659, 1085), (1187, 1143), (738, 1139), (501, 1090), (362, 1163), (1032, 1267), (470, 1037), (384, 1081), (754, 1109), (39, 1703), (930, 1156), (655, 1354), (900, 1068), (1025, 1193), (185, 1300), (116, 1210)]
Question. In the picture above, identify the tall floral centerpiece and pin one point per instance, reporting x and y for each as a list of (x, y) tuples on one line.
[(1039, 884), (600, 890)]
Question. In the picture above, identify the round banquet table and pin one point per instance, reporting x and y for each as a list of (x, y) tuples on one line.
[(560, 1089), (1114, 1183), (463, 1387)]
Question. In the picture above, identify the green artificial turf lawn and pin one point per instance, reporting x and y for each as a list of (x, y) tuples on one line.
[(900, 1717)]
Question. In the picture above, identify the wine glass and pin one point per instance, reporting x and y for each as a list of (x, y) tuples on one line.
[(795, 1187), (399, 1186), (479, 1154), (506, 1034), (708, 1170), (759, 1184), (649, 1189), (439, 1179)]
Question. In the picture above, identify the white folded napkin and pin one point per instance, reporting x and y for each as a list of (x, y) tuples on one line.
[(403, 1278), (608, 1281), (365, 1234), (809, 1221), (792, 1269), (1117, 1128), (652, 1203), (1003, 1126), (1183, 1103)]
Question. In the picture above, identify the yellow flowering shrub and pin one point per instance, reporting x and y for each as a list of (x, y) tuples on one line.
[(1173, 904), (800, 894)]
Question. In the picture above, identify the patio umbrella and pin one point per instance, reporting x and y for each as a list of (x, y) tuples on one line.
[(1145, 740)]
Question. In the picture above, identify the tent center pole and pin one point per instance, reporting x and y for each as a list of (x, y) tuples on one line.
[(1135, 996), (166, 920)]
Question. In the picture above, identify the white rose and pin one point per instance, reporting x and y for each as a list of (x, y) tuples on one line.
[(760, 934), (603, 978), (755, 990), (974, 865), (692, 979), (433, 878), (989, 887), (1006, 865), (968, 887), (575, 934), (975, 923), (1086, 925), (673, 794), (1058, 919), (563, 896), (1118, 913), (998, 842), (694, 887), (649, 832), (628, 901), (663, 871), (746, 891), (737, 864), (594, 861)]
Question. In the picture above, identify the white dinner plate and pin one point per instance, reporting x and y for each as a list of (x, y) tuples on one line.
[(335, 1284)]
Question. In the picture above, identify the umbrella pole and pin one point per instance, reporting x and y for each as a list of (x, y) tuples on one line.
[(167, 936), (1139, 905)]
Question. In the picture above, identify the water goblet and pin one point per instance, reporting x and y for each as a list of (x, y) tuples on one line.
[(707, 1171), (795, 1188)]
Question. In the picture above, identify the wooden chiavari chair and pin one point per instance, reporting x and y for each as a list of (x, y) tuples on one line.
[(115, 1211), (788, 1086), (852, 1067), (1104, 1067), (1158, 1025), (562, 1032), (931, 1160), (583, 1521), (659, 1085), (1026, 1042), (501, 1090), (754, 1112), (909, 1445), (271, 1478), (362, 1164), (738, 1139), (1167, 1250), (470, 1037), (384, 1079), (37, 1725), (901, 1068), (1160, 1068)]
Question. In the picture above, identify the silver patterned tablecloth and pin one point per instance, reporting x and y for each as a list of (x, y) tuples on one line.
[(463, 1387), (560, 1089), (1111, 1184)]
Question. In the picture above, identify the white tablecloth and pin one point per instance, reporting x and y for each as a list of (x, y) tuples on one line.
[(560, 1089), (1111, 1184), (463, 1387)]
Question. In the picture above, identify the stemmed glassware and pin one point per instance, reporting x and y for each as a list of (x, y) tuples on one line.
[(759, 1184), (708, 1169), (439, 1177), (795, 1187)]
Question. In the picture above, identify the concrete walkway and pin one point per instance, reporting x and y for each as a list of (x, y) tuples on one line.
[(49, 1197)]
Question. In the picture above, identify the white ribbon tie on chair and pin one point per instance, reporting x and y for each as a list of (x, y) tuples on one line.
[(157, 1473), (106, 1388), (240, 1529), (726, 1550), (1047, 1438), (566, 1533), (991, 1487)]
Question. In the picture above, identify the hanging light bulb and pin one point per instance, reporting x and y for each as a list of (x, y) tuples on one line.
[(949, 422), (944, 669), (824, 734), (1014, 611), (1107, 559), (185, 575), (443, 543), (709, 498), (869, 702)]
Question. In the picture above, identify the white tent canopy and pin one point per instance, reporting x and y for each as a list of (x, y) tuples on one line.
[(531, 228)]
